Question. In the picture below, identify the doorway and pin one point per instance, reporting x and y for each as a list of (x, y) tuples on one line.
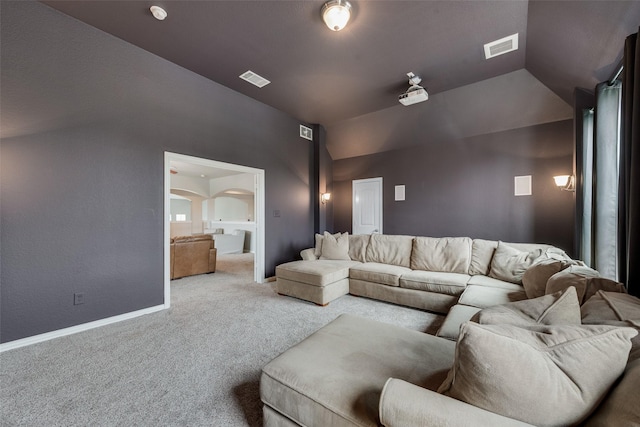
[(367, 206), (257, 214)]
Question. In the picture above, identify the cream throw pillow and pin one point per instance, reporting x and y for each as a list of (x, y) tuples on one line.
[(509, 264), (318, 247), (587, 282), (542, 375), (335, 248), (560, 308)]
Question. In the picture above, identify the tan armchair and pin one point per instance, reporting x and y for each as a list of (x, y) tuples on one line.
[(191, 255)]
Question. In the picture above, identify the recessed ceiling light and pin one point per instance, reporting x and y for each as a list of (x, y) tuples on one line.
[(158, 12), (203, 175), (254, 78)]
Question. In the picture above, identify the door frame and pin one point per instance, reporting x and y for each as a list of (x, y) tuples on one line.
[(353, 200), (259, 213)]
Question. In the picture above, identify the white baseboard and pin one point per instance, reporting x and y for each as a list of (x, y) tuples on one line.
[(78, 328)]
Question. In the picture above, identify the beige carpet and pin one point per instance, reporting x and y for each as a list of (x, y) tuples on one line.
[(197, 364)]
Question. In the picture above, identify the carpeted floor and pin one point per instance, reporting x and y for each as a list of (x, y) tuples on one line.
[(197, 364)]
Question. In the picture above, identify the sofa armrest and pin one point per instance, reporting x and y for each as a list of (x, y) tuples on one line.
[(308, 254), (403, 405)]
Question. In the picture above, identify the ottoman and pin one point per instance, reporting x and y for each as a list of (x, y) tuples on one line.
[(335, 376), (319, 281)]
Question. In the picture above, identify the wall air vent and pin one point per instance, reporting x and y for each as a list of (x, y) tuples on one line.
[(498, 47), (254, 79), (306, 133)]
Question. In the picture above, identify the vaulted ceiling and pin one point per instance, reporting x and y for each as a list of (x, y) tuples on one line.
[(349, 81)]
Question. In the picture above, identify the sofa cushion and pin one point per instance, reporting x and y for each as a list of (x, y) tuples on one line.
[(335, 248), (620, 408), (490, 282), (434, 281), (616, 309), (378, 273), (450, 328), (509, 264), (446, 254), (485, 296), (534, 279), (560, 308), (481, 255), (566, 370), (335, 376), (586, 281), (358, 247), (317, 273), (390, 249)]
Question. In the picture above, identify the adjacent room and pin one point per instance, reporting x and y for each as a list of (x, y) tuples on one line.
[(319, 213)]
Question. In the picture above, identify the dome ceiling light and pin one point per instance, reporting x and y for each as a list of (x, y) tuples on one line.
[(158, 12), (336, 14)]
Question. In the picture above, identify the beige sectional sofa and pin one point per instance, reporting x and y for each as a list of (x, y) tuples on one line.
[(562, 350), (533, 362), (422, 272)]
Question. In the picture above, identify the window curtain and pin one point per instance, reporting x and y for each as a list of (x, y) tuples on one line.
[(586, 239), (606, 177), (629, 229)]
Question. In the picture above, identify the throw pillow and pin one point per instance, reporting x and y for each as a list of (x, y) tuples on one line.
[(566, 370), (335, 248), (318, 247), (587, 282), (534, 279), (509, 264), (560, 308), (616, 309)]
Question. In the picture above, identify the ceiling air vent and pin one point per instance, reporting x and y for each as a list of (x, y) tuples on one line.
[(254, 79), (498, 47)]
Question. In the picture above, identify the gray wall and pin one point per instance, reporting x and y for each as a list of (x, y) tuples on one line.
[(465, 187), (86, 119)]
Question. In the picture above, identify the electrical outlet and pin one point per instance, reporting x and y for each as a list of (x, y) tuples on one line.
[(78, 298)]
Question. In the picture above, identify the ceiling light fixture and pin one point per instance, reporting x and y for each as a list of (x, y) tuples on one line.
[(415, 93), (336, 14), (158, 12)]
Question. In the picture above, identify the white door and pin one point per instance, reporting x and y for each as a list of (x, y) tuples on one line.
[(367, 206)]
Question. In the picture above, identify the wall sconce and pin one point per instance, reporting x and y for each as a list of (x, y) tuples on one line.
[(325, 197), (565, 182)]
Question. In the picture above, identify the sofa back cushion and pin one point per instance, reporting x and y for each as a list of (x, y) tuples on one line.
[(481, 254), (358, 247), (390, 249), (446, 254)]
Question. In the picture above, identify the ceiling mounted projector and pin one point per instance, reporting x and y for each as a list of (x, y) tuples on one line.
[(415, 93)]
